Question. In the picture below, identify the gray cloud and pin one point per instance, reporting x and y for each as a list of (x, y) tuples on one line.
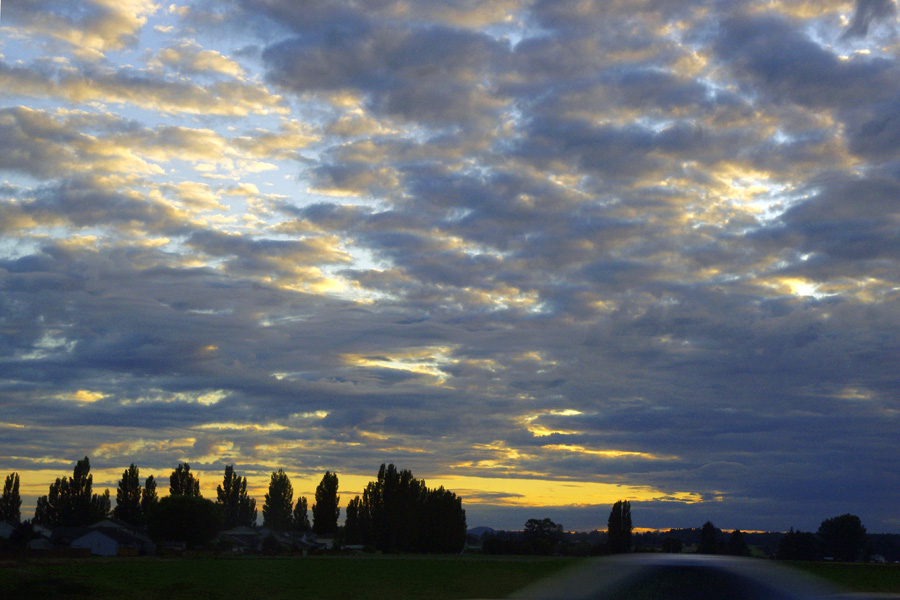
[(868, 11), (549, 241)]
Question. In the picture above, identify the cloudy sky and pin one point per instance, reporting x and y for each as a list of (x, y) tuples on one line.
[(547, 253)]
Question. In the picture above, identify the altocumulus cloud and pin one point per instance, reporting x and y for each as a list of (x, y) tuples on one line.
[(551, 254)]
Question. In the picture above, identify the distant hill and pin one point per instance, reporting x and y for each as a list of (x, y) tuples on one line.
[(480, 531)]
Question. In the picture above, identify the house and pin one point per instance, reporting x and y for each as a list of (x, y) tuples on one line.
[(248, 539), (6, 529), (39, 543), (109, 537), (243, 539), (145, 546), (110, 541)]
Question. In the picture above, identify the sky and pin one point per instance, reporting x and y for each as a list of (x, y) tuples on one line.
[(549, 254)]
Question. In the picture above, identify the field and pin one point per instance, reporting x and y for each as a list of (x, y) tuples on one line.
[(858, 577), (325, 578), (322, 578)]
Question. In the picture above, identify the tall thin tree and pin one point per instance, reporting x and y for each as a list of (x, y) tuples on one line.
[(619, 527), (279, 500), (183, 483), (11, 502), (301, 515), (70, 501), (128, 497), (149, 499), (326, 510), (238, 507)]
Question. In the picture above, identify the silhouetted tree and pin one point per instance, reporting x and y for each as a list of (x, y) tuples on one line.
[(543, 535), (392, 503), (237, 506), (843, 537), (799, 545), (619, 527), (709, 539), (11, 501), (326, 510), (736, 545), (397, 513), (301, 515), (149, 499), (70, 502), (101, 505), (183, 518), (279, 501), (22, 534), (183, 483), (443, 523), (354, 532), (128, 497)]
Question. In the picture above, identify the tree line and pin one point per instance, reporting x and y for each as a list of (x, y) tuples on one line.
[(397, 512), (183, 515), (841, 538)]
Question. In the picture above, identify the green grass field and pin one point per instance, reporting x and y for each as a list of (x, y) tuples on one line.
[(325, 578), (320, 578), (857, 577)]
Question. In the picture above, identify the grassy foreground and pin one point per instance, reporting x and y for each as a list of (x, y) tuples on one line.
[(325, 578), (856, 577)]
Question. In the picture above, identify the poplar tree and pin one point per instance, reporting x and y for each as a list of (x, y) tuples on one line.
[(619, 528), (70, 502), (149, 499), (398, 513), (355, 522), (326, 510), (279, 500), (11, 502), (183, 483), (301, 515), (238, 507), (128, 497)]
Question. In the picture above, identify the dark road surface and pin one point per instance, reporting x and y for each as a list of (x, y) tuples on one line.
[(684, 577)]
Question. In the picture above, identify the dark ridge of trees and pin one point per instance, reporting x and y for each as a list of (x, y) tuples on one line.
[(70, 502), (192, 520), (544, 537), (799, 545), (841, 538), (183, 483), (128, 497), (672, 545), (619, 528), (398, 513), (238, 507), (326, 510), (11, 501), (277, 510)]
